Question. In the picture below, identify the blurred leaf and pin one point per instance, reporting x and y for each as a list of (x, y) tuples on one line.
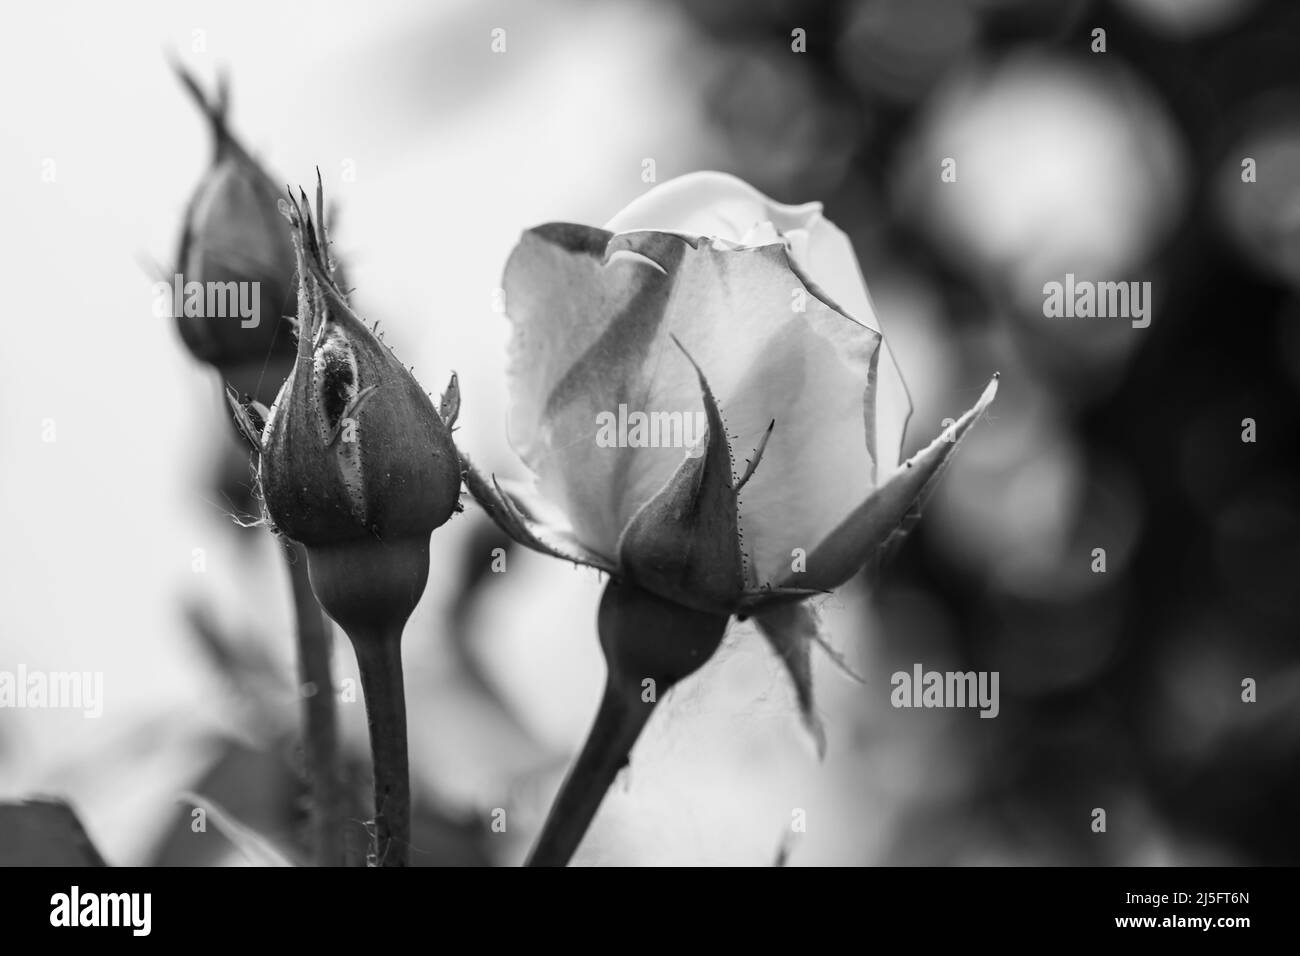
[(252, 844), (44, 832)]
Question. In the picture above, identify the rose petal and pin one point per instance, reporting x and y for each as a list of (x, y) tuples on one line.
[(710, 204), (593, 314), (518, 520), (583, 326), (812, 378), (870, 526), (720, 205), (829, 266)]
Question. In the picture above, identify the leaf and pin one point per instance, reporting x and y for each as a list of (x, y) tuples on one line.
[(258, 848), (684, 543), (449, 405), (44, 832), (792, 629), (250, 418)]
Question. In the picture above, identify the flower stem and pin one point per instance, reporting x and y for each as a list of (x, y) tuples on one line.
[(320, 721), (379, 657), (619, 722), (650, 644), (370, 587)]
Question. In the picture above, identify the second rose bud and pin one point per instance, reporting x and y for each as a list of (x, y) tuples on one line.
[(356, 463)]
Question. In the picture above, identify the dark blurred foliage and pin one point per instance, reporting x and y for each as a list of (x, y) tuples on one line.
[(1123, 691), (44, 832)]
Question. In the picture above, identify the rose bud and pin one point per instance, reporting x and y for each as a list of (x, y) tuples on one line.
[(704, 394), (234, 277), (358, 467)]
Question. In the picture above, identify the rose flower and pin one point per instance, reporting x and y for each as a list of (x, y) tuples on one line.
[(703, 301)]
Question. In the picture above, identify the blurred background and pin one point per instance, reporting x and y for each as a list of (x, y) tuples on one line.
[(1120, 690)]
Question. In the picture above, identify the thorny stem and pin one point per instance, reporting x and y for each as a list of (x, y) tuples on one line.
[(370, 588), (379, 658), (650, 644), (619, 722), (320, 722)]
